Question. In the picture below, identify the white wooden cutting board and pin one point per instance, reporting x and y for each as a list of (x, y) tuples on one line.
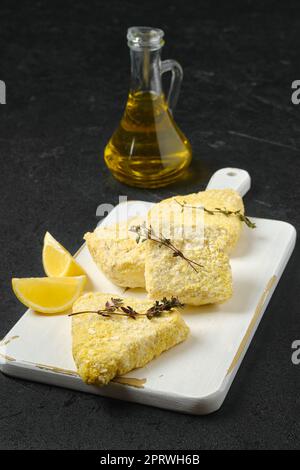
[(193, 377)]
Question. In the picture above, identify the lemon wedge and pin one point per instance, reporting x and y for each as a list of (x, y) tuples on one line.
[(57, 261), (48, 294)]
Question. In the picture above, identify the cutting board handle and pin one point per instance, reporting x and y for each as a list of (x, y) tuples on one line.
[(233, 178)]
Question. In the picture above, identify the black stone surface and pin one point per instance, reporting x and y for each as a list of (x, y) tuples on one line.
[(66, 68)]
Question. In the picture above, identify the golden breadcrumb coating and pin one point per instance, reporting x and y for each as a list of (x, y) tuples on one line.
[(105, 347), (219, 229), (167, 275), (115, 251)]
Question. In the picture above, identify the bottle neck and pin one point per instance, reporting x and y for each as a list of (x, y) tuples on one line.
[(145, 71)]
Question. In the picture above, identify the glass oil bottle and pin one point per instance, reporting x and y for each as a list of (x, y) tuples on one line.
[(148, 149)]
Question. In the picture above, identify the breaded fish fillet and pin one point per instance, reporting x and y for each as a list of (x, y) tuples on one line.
[(219, 229), (105, 347), (116, 252), (167, 275)]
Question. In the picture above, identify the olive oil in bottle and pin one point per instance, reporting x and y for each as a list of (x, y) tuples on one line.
[(148, 149)]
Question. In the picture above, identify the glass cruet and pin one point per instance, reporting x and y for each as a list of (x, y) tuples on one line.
[(148, 149)]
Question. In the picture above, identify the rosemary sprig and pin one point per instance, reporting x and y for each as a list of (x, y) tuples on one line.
[(144, 233), (238, 213), (162, 306), (113, 304), (116, 307), (218, 210)]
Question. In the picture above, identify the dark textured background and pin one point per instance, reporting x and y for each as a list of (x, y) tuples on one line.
[(66, 68)]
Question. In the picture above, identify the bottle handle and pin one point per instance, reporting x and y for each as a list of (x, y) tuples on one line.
[(175, 68)]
